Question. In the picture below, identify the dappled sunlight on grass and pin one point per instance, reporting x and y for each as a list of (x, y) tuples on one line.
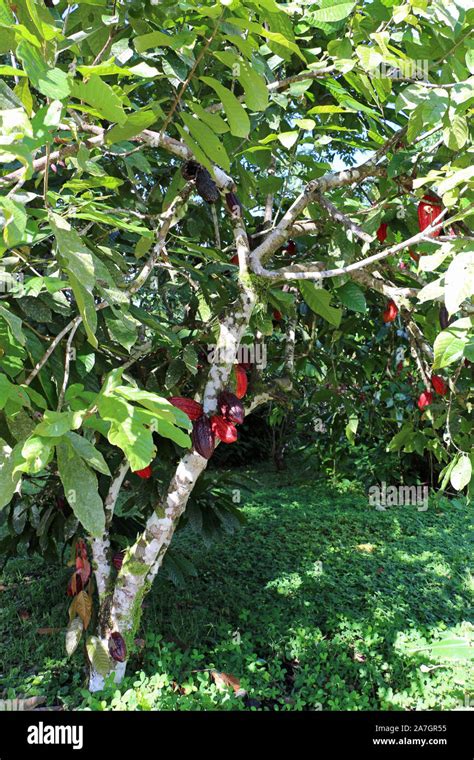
[(318, 602)]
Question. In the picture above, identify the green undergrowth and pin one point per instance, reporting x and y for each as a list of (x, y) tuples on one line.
[(320, 602)]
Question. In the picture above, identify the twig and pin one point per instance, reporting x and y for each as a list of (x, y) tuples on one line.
[(186, 82), (67, 365)]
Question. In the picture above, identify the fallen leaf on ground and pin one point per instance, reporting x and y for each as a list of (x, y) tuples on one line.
[(224, 680), (367, 548)]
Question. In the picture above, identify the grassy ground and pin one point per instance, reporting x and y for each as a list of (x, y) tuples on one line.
[(318, 602)]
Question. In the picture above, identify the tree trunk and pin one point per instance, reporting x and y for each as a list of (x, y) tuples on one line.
[(121, 606)]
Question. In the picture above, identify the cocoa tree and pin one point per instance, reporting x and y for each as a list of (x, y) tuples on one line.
[(179, 180)]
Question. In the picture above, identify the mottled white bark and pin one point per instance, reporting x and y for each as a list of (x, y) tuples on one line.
[(143, 560)]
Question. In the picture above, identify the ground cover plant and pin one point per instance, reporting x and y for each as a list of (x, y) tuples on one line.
[(354, 614), (234, 233)]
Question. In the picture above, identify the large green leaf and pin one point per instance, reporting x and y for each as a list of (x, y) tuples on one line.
[(81, 489), (88, 452), (128, 431), (98, 655), (318, 301), (51, 82), (352, 297), (449, 344), (256, 92), (133, 125), (9, 473), (461, 473), (331, 11), (101, 97), (14, 323), (459, 280), (239, 122), (208, 141), (78, 261)]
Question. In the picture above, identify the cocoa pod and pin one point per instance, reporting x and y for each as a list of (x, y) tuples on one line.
[(231, 408), (145, 473), (203, 437), (443, 317), (187, 405), (206, 186), (241, 381), (117, 560), (189, 169), (117, 648), (233, 204), (224, 430)]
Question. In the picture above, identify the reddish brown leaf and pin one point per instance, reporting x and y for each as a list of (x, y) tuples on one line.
[(224, 680), (82, 606)]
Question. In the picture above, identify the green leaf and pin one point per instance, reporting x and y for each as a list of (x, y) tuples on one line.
[(400, 438), (14, 221), (73, 635), (133, 125), (51, 82), (461, 473), (101, 97), (98, 655), (9, 473), (78, 261), (331, 11), (86, 304), (256, 93), (288, 139), (280, 39), (175, 434), (14, 323), (37, 452), (207, 140), (449, 344), (318, 301), (352, 297), (237, 116), (153, 40), (351, 428), (55, 423), (193, 146), (81, 489), (459, 280), (160, 406), (123, 331), (213, 120), (128, 431), (87, 451), (456, 132)]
